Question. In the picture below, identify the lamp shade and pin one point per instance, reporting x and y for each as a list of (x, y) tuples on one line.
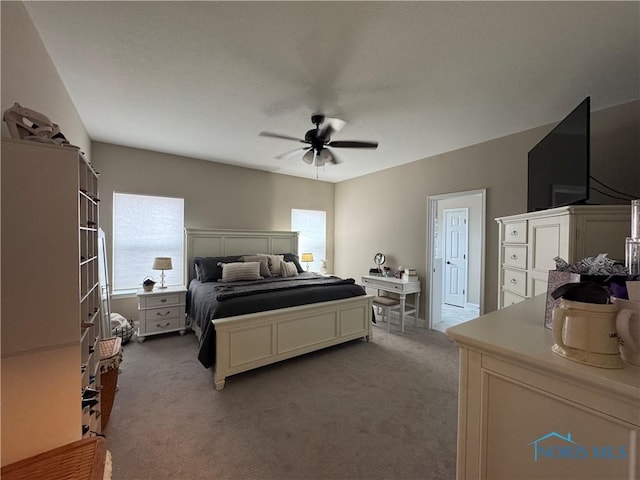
[(306, 257), (162, 263)]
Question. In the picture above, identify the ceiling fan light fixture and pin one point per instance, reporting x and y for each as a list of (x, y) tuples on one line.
[(325, 154), (308, 156)]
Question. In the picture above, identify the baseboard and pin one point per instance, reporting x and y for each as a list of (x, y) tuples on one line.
[(472, 306)]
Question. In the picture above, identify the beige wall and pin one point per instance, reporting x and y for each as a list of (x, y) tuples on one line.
[(30, 78), (215, 195), (474, 240), (395, 200)]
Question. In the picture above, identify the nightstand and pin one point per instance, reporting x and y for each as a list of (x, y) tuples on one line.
[(161, 311)]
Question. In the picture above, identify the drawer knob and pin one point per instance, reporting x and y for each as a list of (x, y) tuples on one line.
[(163, 300), (514, 232), (514, 257), (162, 326), (163, 314), (513, 280)]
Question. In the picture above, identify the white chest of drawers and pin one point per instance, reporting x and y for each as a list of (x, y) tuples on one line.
[(161, 311), (529, 243)]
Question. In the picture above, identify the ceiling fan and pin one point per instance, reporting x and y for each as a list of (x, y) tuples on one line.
[(318, 141)]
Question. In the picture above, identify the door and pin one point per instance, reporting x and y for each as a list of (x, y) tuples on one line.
[(455, 256)]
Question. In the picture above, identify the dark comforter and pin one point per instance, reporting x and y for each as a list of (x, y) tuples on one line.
[(211, 300)]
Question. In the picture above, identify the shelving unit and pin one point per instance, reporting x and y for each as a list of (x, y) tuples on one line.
[(89, 292), (50, 298)]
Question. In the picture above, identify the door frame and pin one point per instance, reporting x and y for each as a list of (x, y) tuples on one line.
[(465, 253), (432, 210)]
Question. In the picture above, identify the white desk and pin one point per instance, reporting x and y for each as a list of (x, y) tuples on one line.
[(400, 287)]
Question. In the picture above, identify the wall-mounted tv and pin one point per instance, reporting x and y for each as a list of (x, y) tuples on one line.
[(559, 163)]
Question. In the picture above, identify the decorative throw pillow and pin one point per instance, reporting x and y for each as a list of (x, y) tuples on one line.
[(208, 269), (233, 272), (274, 262), (288, 269), (292, 257), (264, 263)]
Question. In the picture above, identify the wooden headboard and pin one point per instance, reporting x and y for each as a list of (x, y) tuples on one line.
[(212, 242)]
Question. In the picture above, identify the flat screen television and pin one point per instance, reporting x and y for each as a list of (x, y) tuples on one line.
[(558, 168)]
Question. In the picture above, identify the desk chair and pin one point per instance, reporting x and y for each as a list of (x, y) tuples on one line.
[(386, 305)]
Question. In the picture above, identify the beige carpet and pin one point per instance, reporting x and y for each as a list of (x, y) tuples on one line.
[(380, 410)]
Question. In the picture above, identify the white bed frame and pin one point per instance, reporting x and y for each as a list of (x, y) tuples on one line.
[(245, 342)]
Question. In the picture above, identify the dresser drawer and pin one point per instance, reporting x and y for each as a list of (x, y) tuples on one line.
[(162, 313), (162, 324), (390, 284), (515, 281), (515, 256), (510, 298), (515, 232), (153, 301)]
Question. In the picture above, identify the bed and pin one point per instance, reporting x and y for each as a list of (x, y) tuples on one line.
[(247, 324)]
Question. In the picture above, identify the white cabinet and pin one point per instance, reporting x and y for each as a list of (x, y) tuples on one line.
[(525, 412), (50, 298), (161, 311), (529, 243)]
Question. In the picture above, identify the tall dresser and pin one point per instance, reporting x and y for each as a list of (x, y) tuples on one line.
[(529, 242), (50, 298)]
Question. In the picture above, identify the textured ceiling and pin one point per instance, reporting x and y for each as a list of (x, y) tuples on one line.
[(202, 79)]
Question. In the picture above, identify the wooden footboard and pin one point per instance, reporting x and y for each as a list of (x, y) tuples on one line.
[(245, 342)]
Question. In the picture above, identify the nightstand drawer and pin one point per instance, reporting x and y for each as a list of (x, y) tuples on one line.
[(161, 324), (162, 313), (160, 300)]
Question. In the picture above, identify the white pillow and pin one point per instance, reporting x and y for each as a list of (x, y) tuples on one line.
[(288, 269), (274, 262), (233, 272)]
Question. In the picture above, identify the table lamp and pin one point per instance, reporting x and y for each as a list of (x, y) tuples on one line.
[(307, 257), (162, 263)]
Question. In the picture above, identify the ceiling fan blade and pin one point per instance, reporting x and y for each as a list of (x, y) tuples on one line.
[(283, 137), (290, 153), (352, 144), (332, 126)]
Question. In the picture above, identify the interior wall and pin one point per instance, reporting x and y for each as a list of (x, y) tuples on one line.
[(397, 197), (215, 195), (30, 78), (474, 204)]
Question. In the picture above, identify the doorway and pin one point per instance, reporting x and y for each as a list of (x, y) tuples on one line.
[(455, 234)]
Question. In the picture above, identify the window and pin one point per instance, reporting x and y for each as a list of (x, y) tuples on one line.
[(145, 227), (312, 225)]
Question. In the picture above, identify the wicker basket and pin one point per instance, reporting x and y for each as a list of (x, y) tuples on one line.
[(110, 359)]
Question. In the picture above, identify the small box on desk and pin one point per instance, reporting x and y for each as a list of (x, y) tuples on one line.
[(409, 275), (616, 284)]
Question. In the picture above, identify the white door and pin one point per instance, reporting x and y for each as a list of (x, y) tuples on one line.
[(455, 256)]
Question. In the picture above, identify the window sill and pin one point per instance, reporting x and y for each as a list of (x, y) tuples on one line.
[(124, 294)]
